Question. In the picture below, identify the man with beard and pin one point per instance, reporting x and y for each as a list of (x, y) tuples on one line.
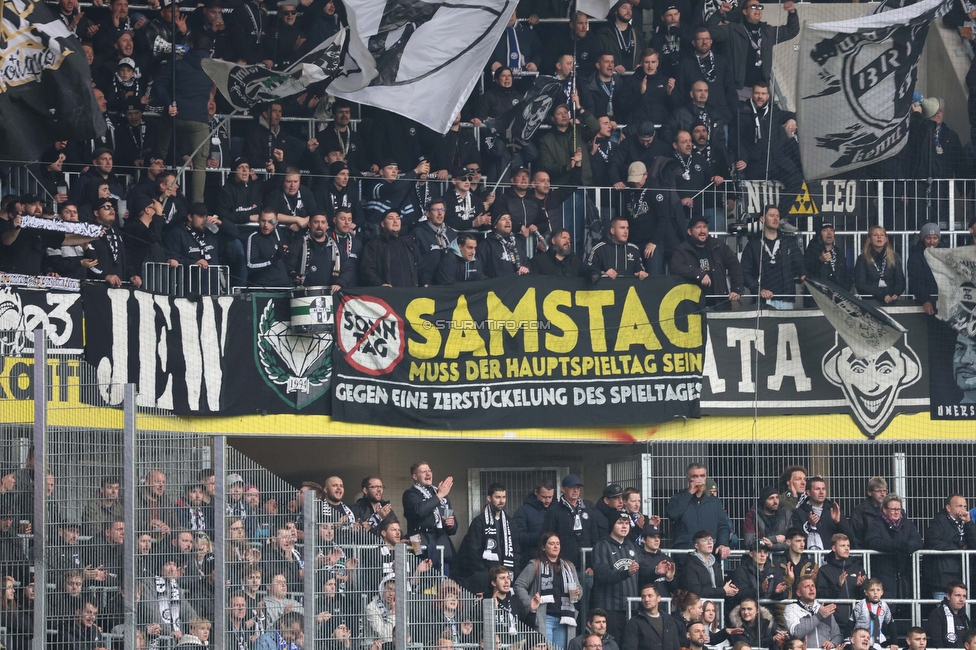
[(391, 260), (621, 39), (701, 110), (338, 136), (705, 65), (671, 39), (334, 511), (316, 261), (826, 260), (371, 510), (766, 521), (460, 263), (489, 542), (349, 242), (109, 249), (499, 251), (714, 267), (429, 513), (337, 192), (761, 138), (559, 260), (265, 254), (433, 236)]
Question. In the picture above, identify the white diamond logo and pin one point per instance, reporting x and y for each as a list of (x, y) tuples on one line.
[(300, 352)]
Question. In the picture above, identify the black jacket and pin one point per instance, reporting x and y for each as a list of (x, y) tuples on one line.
[(935, 626), (237, 201), (860, 518), (524, 210), (470, 552), (396, 261), (427, 242), (829, 587), (529, 520), (319, 263), (648, 571), (654, 106), (868, 276), (826, 527), (452, 269), (838, 273), (142, 244), (722, 91), (780, 278), (560, 520), (492, 255), (111, 259), (756, 638), (419, 513), (735, 37), (626, 259), (594, 98), (639, 634), (943, 535), (350, 252), (265, 261), (723, 268), (698, 577), (894, 568), (631, 150), (751, 585), (713, 115), (547, 264), (187, 247), (921, 282)]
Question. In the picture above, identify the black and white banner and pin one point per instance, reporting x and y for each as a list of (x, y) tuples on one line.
[(953, 340), (419, 59), (795, 362), (518, 124), (867, 330), (92, 230), (228, 355), (45, 83), (856, 80), (246, 86), (22, 311)]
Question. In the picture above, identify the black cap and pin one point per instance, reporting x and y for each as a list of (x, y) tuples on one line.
[(199, 209), (459, 172), (760, 546), (337, 167), (622, 515), (240, 160), (572, 480), (827, 223), (650, 530), (520, 170), (133, 104), (386, 162), (646, 130), (139, 204), (24, 200), (700, 218), (612, 490), (98, 152), (101, 203)]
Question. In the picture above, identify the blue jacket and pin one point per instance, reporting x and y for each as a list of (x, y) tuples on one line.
[(691, 514), (529, 520)]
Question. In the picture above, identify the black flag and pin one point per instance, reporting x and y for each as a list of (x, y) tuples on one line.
[(45, 84), (517, 125)]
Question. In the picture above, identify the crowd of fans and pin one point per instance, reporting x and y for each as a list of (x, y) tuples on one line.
[(530, 560), (651, 109)]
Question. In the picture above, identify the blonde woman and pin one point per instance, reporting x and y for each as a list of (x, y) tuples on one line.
[(877, 272)]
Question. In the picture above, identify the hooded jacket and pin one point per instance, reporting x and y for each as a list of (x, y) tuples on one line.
[(724, 271), (805, 622), (756, 638), (700, 577), (750, 581), (237, 201), (736, 39), (454, 268), (828, 585)]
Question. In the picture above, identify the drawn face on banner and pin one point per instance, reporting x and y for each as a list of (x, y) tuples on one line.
[(12, 336), (964, 367), (872, 384)]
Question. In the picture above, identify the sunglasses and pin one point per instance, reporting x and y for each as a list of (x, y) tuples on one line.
[(288, 13), (759, 7)]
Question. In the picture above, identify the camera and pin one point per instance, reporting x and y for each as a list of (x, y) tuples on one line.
[(746, 226)]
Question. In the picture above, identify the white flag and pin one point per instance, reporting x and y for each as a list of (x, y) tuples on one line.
[(954, 270), (867, 330), (856, 79), (595, 8), (419, 59)]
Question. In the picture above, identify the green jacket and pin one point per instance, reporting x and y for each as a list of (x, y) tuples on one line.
[(556, 150)]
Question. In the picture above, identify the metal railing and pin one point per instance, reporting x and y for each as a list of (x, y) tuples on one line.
[(183, 280)]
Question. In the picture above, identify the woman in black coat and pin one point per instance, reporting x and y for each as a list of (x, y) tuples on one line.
[(897, 537), (877, 272)]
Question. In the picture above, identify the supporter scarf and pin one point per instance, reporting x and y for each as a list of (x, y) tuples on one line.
[(346, 240), (490, 533), (509, 249), (876, 616), (758, 115), (332, 514), (168, 596), (814, 541), (577, 513), (515, 58), (706, 65), (440, 233), (428, 494), (960, 530), (950, 625), (625, 40), (813, 607), (299, 204), (504, 614), (113, 244), (201, 242), (892, 524), (567, 613)]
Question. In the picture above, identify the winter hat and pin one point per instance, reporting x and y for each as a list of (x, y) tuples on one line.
[(930, 106), (930, 229)]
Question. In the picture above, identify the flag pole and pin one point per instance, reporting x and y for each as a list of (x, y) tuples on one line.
[(174, 7), (574, 8), (210, 136)]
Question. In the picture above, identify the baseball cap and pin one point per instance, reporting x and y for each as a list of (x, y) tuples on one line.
[(636, 171), (127, 61), (696, 219), (233, 479), (572, 480), (827, 223), (201, 209), (387, 162), (106, 202), (646, 130), (650, 530), (612, 490), (139, 204)]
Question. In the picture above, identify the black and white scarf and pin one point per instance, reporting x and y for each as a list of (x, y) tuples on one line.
[(950, 624), (510, 251), (706, 64), (429, 494), (332, 514), (440, 234), (200, 237), (759, 114), (577, 512), (567, 613), (814, 541), (299, 204), (168, 597), (493, 526)]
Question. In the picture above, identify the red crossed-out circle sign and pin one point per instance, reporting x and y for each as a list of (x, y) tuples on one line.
[(370, 334)]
